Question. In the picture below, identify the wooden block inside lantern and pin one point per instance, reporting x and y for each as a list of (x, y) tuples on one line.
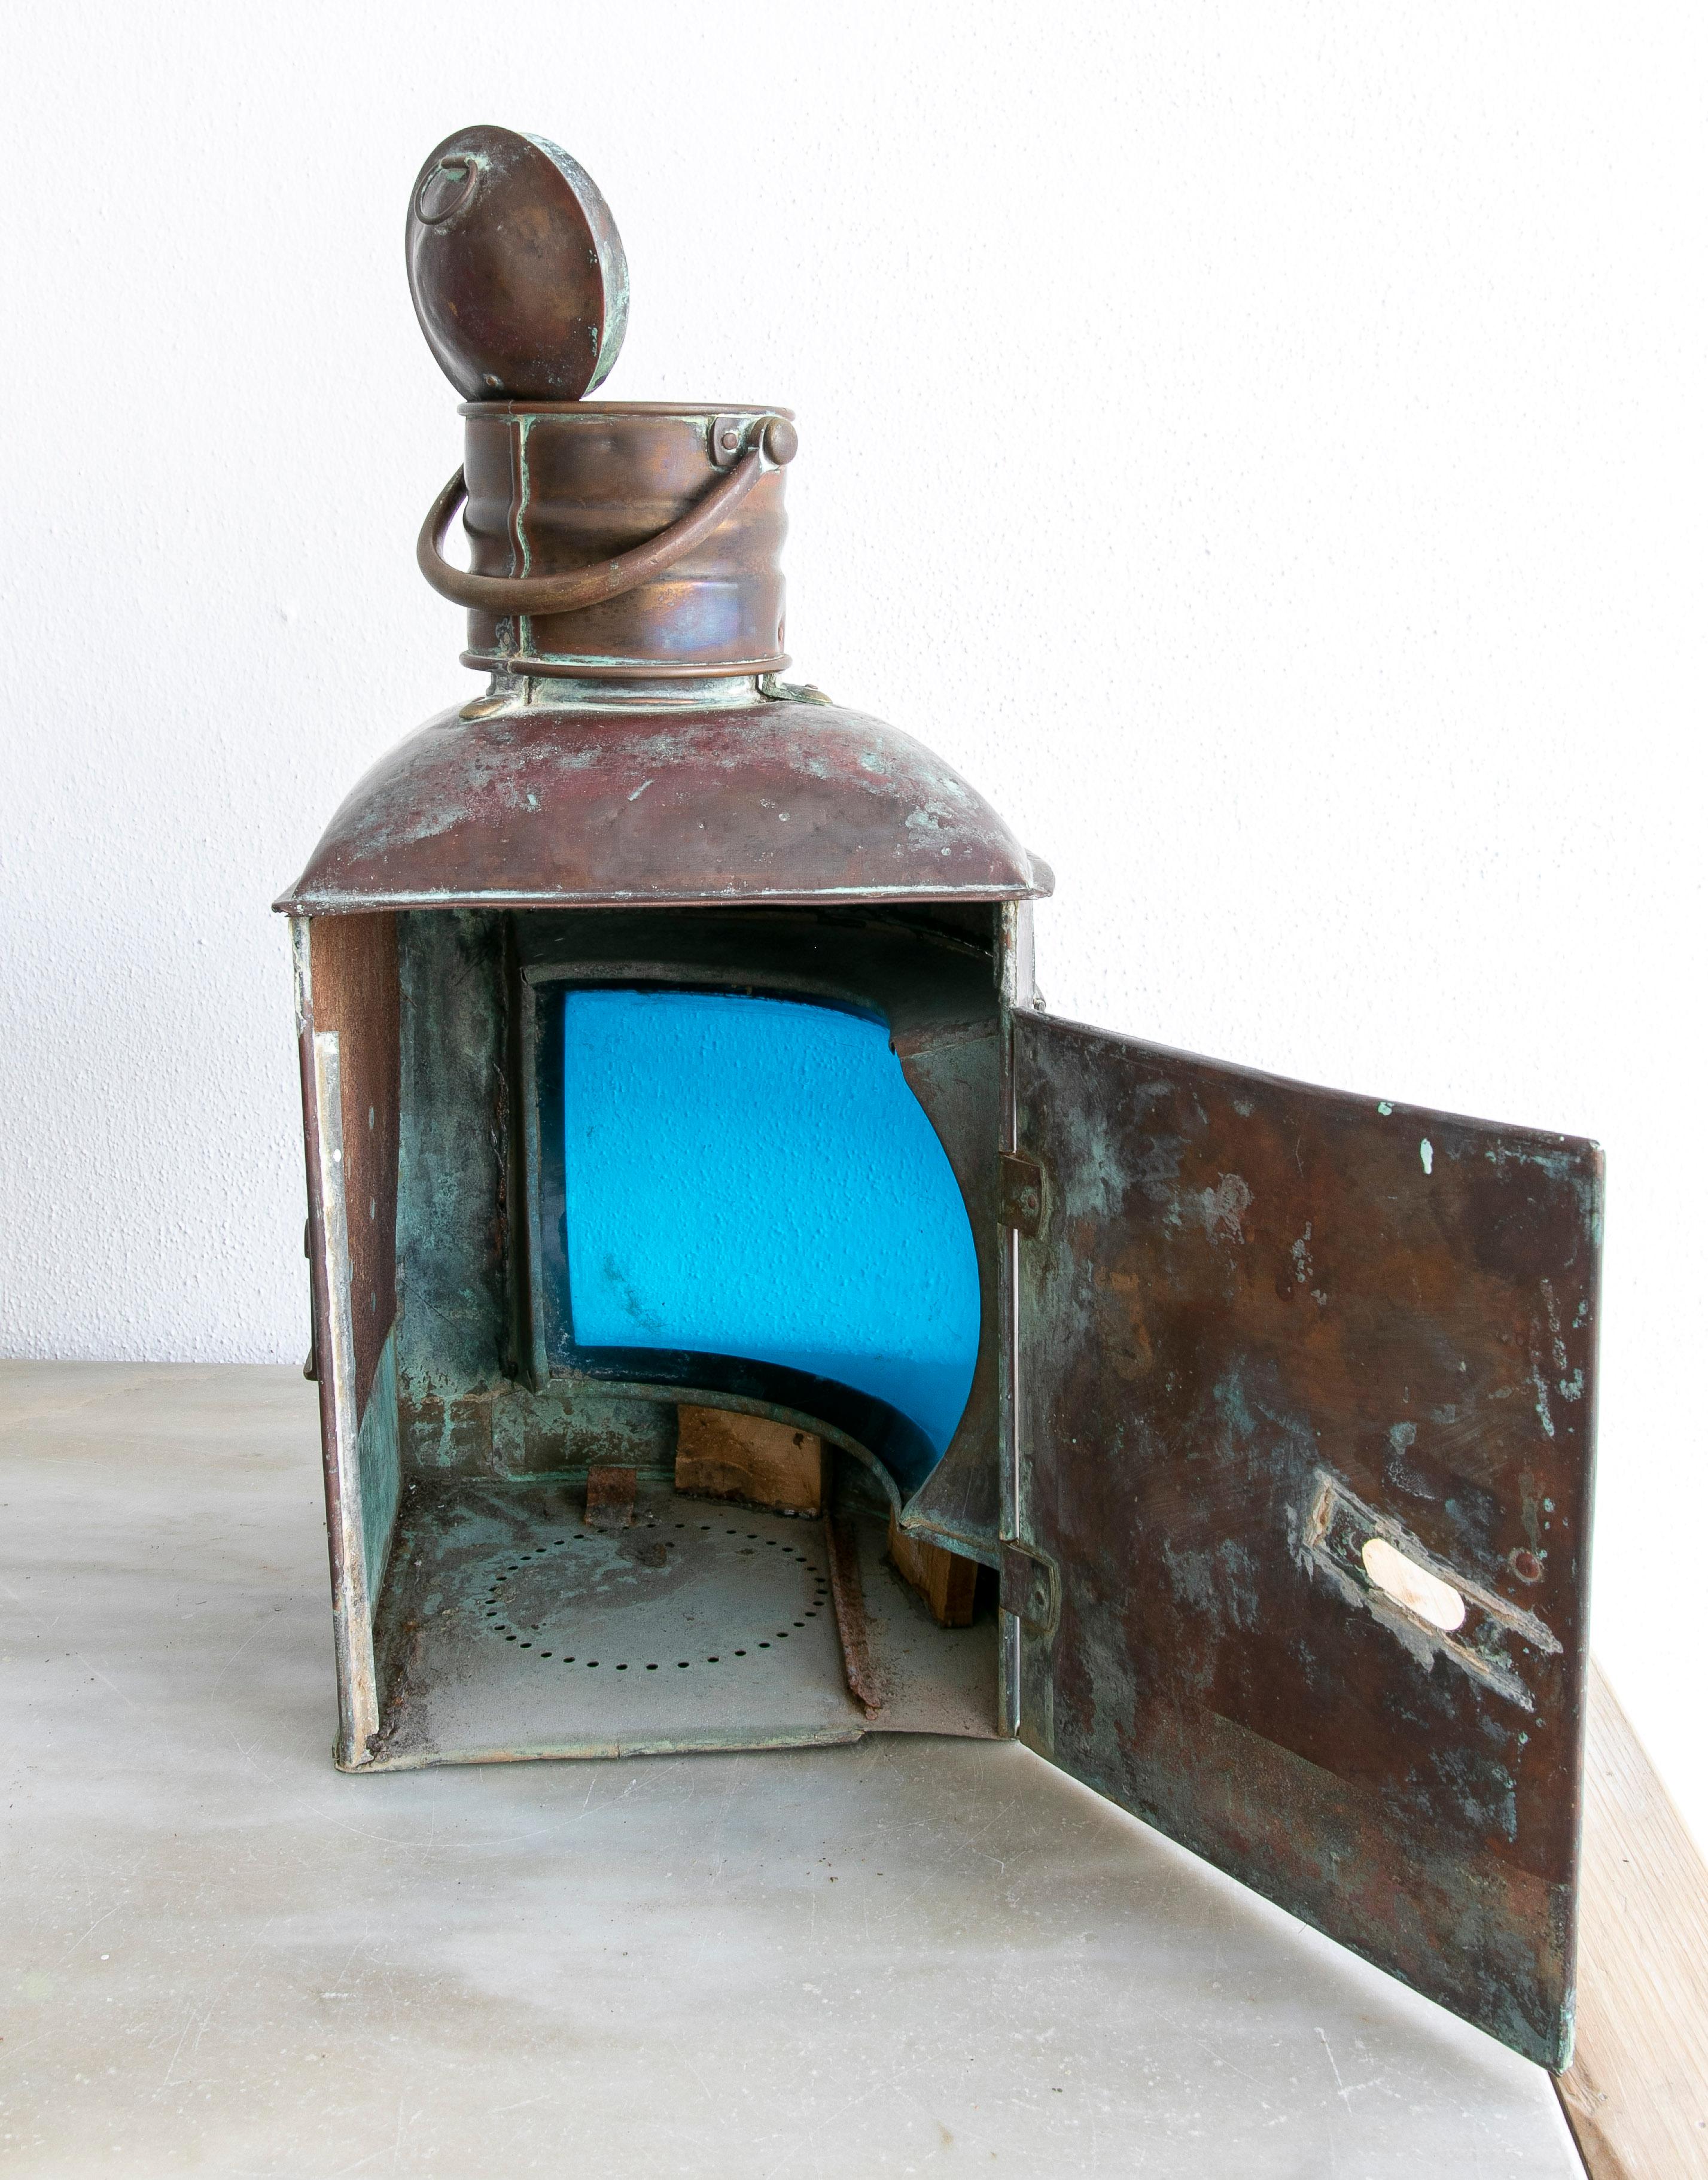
[(947, 1582), (721, 1455)]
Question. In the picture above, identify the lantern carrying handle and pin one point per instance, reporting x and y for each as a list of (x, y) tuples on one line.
[(771, 444)]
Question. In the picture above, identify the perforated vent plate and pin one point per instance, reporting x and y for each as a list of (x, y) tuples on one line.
[(720, 1591)]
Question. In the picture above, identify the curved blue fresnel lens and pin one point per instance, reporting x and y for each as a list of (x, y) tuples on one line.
[(753, 1177)]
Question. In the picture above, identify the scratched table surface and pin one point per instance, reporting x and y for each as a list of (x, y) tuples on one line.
[(910, 1955)]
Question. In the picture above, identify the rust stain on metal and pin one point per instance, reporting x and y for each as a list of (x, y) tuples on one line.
[(849, 1601), (610, 1497)]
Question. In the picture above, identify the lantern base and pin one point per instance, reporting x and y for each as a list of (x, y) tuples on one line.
[(510, 1629)]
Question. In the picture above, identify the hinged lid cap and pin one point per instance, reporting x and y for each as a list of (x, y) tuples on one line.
[(515, 268)]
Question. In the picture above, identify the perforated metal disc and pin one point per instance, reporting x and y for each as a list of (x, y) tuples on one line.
[(515, 268), (717, 1590)]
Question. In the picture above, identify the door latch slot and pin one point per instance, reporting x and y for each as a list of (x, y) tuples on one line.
[(1433, 1608)]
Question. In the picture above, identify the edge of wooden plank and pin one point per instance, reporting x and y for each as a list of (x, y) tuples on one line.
[(1636, 2095)]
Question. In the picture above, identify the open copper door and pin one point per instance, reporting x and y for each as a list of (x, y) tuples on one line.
[(1303, 1414)]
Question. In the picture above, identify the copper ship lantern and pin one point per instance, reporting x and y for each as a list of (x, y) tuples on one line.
[(745, 1319)]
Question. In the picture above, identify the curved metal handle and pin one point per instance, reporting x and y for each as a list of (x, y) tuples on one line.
[(771, 446)]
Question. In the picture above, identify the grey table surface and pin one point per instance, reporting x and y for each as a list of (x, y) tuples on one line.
[(910, 1955)]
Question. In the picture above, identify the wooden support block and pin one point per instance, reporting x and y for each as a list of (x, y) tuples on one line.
[(947, 1582), (723, 1455), (610, 1497)]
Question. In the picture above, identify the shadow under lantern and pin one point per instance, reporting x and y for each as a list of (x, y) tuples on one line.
[(744, 1318)]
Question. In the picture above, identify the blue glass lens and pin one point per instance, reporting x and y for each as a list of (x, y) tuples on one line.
[(753, 1177)]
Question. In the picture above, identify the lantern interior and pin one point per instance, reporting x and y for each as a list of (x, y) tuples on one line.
[(660, 1163)]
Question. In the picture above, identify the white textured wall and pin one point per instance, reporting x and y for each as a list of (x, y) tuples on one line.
[(1263, 446)]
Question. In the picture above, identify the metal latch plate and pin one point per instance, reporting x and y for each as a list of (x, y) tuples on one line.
[(1031, 1589), (1022, 1194)]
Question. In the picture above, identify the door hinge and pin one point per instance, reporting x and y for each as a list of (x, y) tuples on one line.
[(1022, 1194), (1031, 1588)]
